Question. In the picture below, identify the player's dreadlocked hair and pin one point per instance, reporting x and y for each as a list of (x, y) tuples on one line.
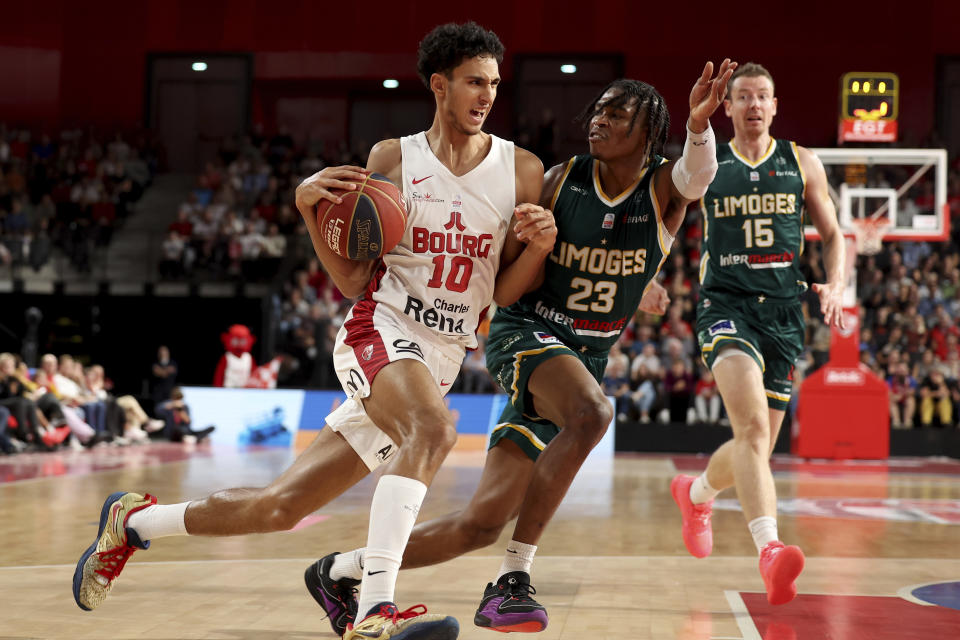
[(449, 44), (648, 101)]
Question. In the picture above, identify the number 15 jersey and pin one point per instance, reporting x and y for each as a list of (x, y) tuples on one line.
[(753, 224), (442, 273)]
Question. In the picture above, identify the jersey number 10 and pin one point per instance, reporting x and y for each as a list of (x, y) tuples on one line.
[(461, 268)]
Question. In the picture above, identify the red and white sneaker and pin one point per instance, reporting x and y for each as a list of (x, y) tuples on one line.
[(779, 566), (697, 532)]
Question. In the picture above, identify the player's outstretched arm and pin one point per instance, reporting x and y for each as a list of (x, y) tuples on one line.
[(350, 276), (531, 235), (696, 168), (824, 217)]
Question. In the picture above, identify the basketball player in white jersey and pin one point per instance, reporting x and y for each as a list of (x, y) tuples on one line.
[(466, 243)]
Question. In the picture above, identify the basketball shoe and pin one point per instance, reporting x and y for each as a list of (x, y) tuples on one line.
[(779, 567), (507, 606), (337, 597), (385, 621), (103, 561), (697, 532)]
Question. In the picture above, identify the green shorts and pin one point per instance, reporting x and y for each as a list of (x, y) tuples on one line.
[(514, 350), (771, 332)]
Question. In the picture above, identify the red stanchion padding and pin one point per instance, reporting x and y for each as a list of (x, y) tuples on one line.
[(843, 409)]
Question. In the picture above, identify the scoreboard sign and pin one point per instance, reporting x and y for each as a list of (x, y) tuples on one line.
[(869, 104)]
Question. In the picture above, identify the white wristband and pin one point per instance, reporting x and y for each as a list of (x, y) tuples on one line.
[(696, 168)]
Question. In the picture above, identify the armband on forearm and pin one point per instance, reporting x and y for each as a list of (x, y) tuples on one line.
[(696, 168)]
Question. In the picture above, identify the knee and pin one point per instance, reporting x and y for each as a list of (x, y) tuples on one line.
[(756, 434), (431, 432), (590, 419), (477, 535), (279, 511)]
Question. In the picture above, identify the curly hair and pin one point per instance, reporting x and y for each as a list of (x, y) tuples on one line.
[(444, 48), (647, 99)]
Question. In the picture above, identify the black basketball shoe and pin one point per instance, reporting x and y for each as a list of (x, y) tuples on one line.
[(507, 606), (337, 597)]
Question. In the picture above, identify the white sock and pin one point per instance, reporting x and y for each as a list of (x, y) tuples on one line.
[(396, 503), (159, 521), (519, 557), (701, 491), (347, 565), (763, 530)]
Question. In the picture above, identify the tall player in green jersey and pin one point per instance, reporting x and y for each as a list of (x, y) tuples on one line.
[(749, 322), (616, 212)]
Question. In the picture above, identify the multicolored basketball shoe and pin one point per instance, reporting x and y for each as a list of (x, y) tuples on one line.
[(385, 621), (507, 606), (779, 566), (103, 561), (337, 597), (697, 531)]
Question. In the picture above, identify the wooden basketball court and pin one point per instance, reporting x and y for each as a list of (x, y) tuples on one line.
[(882, 541)]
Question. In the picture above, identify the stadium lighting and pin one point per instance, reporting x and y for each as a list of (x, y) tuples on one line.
[(568, 68), (199, 66), (390, 83)]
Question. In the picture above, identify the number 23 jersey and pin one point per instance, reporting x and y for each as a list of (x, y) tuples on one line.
[(607, 252), (442, 273)]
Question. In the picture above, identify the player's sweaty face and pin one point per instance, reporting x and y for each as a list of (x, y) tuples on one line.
[(751, 104), (472, 90), (609, 133)]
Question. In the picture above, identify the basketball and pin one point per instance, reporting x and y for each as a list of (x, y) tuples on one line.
[(368, 223)]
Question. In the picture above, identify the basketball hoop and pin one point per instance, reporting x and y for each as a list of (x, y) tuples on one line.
[(869, 234)]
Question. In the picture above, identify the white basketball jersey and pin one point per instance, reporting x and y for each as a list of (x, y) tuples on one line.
[(442, 273)]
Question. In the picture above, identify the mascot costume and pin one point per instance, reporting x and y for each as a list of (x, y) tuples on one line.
[(237, 369), (237, 364)]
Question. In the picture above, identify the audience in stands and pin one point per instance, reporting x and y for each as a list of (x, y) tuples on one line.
[(67, 193)]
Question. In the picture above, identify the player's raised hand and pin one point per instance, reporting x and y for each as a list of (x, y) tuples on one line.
[(317, 187), (655, 299), (708, 93), (535, 227), (831, 303)]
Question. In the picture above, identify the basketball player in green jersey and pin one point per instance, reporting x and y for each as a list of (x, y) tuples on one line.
[(616, 213), (749, 322)]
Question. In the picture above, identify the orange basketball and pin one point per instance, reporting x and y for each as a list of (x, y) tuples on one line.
[(368, 223)]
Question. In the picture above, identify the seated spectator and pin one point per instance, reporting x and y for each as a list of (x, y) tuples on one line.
[(176, 415), (646, 372), (678, 388), (616, 383), (707, 399), (936, 404), (172, 255), (903, 402), (31, 423)]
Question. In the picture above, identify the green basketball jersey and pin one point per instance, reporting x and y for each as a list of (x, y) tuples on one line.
[(753, 224), (607, 252)]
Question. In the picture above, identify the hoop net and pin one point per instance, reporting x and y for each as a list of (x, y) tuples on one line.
[(869, 234)]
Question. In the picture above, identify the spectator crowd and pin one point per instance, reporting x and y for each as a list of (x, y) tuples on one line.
[(62, 404), (67, 193)]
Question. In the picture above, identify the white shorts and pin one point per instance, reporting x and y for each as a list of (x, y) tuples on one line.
[(373, 336)]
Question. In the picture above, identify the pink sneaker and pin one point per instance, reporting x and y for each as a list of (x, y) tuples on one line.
[(697, 533), (779, 567)]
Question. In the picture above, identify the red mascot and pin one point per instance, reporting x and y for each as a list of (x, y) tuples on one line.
[(237, 364)]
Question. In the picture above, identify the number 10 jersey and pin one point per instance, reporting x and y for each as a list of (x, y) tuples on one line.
[(442, 273)]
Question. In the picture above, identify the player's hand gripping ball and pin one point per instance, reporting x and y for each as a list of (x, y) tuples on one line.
[(368, 223)]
